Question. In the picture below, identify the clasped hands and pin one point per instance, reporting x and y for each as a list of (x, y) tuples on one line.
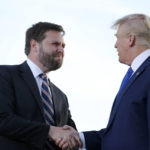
[(65, 137)]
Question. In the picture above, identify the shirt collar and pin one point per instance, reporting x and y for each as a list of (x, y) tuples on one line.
[(34, 68), (136, 63)]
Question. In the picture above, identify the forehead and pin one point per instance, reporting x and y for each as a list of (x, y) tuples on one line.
[(54, 35), (121, 31)]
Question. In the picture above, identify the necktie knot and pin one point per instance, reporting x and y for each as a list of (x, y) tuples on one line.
[(43, 76), (126, 78), (130, 71)]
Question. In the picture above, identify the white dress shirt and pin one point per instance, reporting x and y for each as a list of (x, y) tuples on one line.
[(136, 63), (36, 71)]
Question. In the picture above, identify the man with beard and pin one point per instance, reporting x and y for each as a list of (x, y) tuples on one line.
[(32, 108)]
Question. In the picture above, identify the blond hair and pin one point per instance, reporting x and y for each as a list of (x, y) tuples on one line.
[(137, 25)]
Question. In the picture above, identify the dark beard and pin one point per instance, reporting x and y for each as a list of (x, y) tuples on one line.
[(48, 60)]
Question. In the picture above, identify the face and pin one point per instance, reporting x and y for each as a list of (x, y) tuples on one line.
[(122, 45), (51, 50)]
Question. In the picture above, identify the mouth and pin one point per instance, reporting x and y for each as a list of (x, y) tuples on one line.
[(59, 55)]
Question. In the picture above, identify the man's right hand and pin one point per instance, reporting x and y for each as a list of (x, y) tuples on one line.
[(65, 137)]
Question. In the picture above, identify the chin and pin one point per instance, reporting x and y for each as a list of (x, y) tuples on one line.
[(121, 61)]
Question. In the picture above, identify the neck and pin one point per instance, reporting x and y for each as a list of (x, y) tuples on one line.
[(134, 53), (34, 60)]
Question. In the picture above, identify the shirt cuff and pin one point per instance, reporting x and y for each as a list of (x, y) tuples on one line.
[(83, 141)]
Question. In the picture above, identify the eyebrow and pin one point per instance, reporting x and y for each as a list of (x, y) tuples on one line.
[(59, 43)]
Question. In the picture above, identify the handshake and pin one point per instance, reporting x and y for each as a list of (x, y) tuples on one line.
[(65, 137)]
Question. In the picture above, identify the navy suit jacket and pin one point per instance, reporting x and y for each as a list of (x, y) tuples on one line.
[(22, 123), (129, 125)]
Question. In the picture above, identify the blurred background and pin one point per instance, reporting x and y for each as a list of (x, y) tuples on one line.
[(91, 74)]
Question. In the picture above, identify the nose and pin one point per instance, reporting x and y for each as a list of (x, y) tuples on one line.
[(61, 48)]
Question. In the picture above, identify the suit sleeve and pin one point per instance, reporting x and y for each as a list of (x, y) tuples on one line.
[(70, 121), (93, 139), (148, 117), (15, 127)]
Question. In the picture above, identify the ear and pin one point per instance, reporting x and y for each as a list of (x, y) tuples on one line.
[(34, 45), (132, 40)]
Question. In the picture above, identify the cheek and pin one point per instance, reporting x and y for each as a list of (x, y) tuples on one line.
[(120, 45), (49, 49)]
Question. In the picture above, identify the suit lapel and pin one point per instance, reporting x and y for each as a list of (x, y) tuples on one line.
[(30, 80), (139, 71), (55, 98)]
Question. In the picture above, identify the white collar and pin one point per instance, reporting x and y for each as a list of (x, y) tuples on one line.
[(34, 68), (137, 62)]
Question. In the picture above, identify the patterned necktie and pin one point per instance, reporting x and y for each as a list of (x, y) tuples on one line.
[(47, 100)]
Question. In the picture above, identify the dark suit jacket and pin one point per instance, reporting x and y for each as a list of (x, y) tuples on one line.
[(129, 125), (22, 124)]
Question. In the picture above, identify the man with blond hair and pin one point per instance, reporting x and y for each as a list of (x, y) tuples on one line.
[(129, 124)]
